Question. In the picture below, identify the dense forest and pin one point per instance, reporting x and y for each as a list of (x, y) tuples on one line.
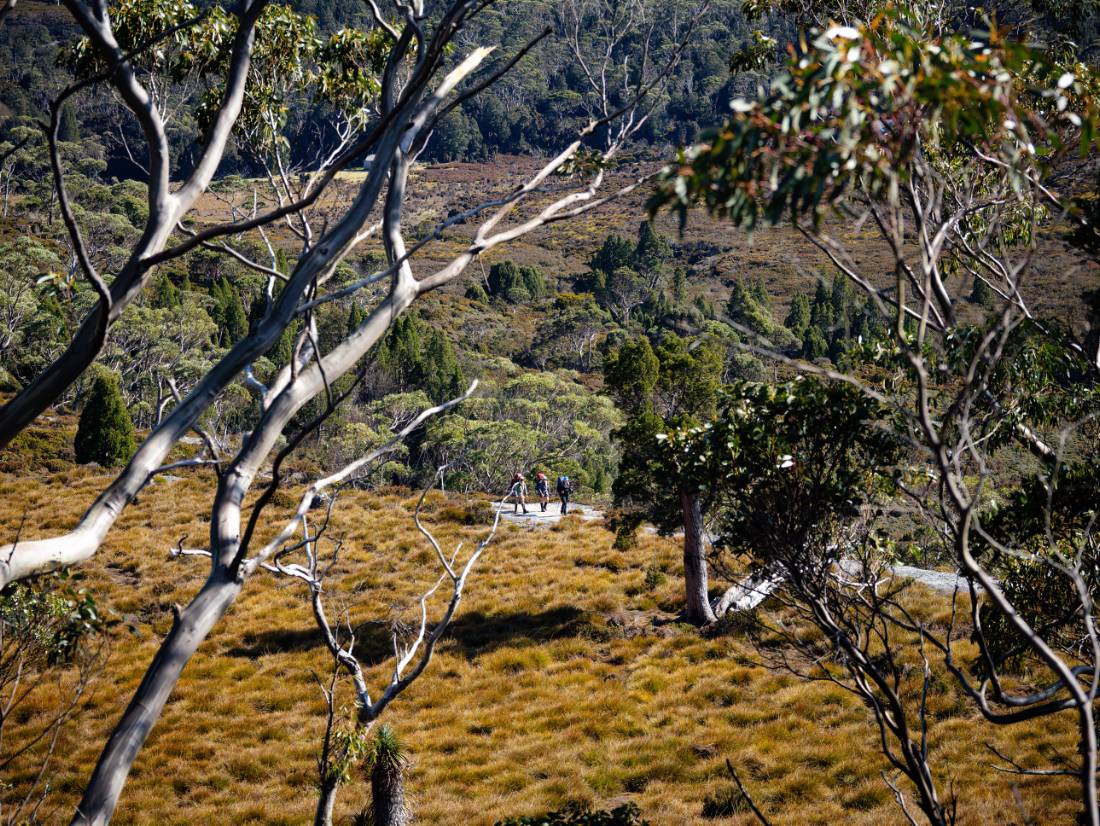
[(534, 109)]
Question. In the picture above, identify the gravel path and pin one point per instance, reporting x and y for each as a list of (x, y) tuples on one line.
[(536, 518), (936, 580), (941, 581)]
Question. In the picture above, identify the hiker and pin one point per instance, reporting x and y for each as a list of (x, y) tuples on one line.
[(542, 487), (519, 492), (565, 490)]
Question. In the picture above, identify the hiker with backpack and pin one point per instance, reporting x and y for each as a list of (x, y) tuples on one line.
[(565, 490), (542, 488), (519, 492)]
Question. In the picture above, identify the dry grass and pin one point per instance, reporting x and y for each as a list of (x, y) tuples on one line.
[(563, 678)]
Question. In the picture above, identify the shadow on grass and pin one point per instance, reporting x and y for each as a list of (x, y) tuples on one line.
[(473, 634)]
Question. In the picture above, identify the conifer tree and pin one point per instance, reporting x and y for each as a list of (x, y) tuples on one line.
[(106, 433), (165, 293), (981, 294), (229, 312), (840, 302), (283, 350), (652, 254), (821, 309), (746, 309), (68, 130), (257, 310), (442, 375), (814, 344), (416, 356), (868, 324), (399, 354), (356, 316), (679, 286), (798, 317), (759, 291), (533, 281), (615, 252)]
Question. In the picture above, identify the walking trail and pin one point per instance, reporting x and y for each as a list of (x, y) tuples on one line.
[(942, 581), (536, 518)]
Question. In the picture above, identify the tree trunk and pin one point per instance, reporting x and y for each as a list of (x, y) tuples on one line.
[(388, 795), (698, 608), (190, 629), (748, 593), (326, 802)]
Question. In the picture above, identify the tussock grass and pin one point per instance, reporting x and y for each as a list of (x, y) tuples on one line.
[(565, 677)]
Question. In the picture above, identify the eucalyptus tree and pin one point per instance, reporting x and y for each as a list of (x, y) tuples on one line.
[(421, 75), (948, 147)]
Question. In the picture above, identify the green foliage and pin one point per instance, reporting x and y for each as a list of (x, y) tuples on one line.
[(615, 253), (386, 749), (348, 748), (621, 292), (755, 56), (748, 308), (817, 131), (826, 326), (814, 345), (652, 253), (534, 420), (1037, 382), (356, 316), (868, 324), (476, 293), (569, 335), (417, 356), (514, 283), (798, 316), (784, 463), (1038, 527), (676, 384), (283, 349), (807, 12), (105, 434), (68, 130), (228, 312), (47, 621), (164, 293), (576, 814), (288, 55), (654, 577), (982, 294), (457, 138), (840, 306), (689, 379), (821, 309), (348, 66)]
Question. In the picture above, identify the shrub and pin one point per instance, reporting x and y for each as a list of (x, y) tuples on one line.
[(654, 578), (106, 433), (475, 292)]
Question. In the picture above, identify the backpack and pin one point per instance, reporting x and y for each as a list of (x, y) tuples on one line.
[(565, 484)]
